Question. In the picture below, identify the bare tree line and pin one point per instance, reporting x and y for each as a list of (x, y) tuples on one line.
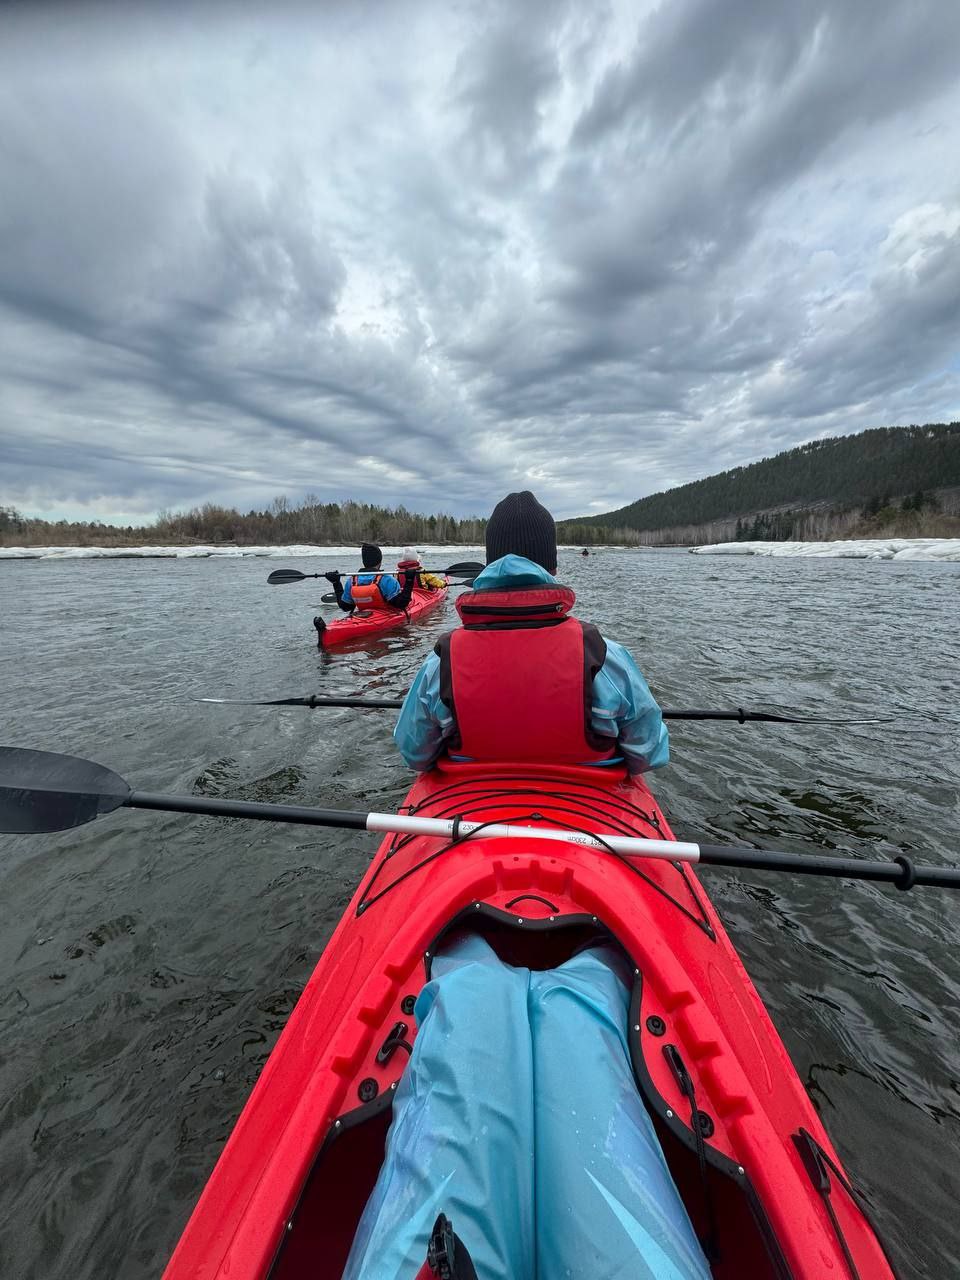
[(310, 521)]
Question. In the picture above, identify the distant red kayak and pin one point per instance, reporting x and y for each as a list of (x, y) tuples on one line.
[(358, 626), (742, 1139)]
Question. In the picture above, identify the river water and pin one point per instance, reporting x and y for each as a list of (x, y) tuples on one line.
[(149, 960)]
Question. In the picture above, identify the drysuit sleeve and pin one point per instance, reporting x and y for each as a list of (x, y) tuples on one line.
[(344, 598), (623, 707), (398, 596), (424, 721)]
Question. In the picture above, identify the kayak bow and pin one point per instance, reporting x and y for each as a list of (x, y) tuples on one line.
[(746, 1148)]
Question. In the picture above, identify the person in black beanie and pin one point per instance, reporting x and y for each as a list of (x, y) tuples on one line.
[(371, 557), (371, 589), (522, 680), (520, 526)]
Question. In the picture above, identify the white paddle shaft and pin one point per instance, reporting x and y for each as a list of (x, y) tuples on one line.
[(406, 824)]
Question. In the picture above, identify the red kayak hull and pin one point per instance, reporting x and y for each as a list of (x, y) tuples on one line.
[(352, 627), (286, 1194)]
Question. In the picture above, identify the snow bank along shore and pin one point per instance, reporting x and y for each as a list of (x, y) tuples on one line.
[(862, 549), (213, 552), (856, 549)]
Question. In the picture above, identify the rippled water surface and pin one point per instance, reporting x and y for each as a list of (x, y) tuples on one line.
[(149, 961)]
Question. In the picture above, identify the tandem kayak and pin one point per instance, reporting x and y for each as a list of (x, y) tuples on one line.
[(358, 626), (752, 1162)]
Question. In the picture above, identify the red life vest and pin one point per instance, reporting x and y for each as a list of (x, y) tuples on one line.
[(518, 676), (367, 595), (421, 582)]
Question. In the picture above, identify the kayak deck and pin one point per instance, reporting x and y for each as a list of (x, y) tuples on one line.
[(288, 1191), (354, 626)]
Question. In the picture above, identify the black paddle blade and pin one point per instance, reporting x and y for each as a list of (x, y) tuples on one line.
[(329, 598), (44, 791), (289, 575), (471, 567)]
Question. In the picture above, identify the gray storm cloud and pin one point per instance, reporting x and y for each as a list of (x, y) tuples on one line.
[(423, 254)]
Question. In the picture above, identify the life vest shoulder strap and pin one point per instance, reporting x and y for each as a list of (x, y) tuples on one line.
[(442, 650)]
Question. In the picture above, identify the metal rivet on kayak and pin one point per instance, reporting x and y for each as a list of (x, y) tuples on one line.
[(669, 1114), (740, 1169), (519, 919), (637, 1027), (394, 1085), (289, 1226), (595, 920), (336, 1124), (553, 919)]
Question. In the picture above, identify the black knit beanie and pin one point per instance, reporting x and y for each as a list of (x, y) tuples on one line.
[(520, 526), (371, 555)]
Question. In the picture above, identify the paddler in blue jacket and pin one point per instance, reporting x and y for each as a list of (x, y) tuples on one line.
[(523, 680), (502, 1053), (371, 588)]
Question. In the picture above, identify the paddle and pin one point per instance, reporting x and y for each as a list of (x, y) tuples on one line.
[(280, 576), (41, 791), (384, 704)]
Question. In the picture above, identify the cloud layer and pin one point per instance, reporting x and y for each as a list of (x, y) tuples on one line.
[(425, 253)]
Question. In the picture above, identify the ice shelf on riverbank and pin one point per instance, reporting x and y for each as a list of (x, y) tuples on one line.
[(472, 551), (231, 552), (854, 549)]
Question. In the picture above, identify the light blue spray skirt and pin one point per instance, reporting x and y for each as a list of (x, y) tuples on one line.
[(519, 1118)]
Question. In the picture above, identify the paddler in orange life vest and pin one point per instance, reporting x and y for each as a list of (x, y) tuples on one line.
[(371, 588), (522, 679), (429, 581)]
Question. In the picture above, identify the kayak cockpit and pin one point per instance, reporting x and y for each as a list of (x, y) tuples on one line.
[(726, 1213)]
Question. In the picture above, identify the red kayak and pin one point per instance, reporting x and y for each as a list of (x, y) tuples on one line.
[(759, 1174), (359, 626)]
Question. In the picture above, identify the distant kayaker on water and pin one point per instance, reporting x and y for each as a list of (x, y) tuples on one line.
[(371, 588), (521, 679), (410, 560)]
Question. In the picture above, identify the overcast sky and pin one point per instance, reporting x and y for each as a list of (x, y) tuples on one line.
[(427, 253)]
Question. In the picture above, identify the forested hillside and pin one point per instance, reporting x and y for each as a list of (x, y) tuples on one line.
[(844, 479)]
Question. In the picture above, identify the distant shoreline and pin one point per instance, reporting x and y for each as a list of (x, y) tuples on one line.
[(234, 551), (940, 549)]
